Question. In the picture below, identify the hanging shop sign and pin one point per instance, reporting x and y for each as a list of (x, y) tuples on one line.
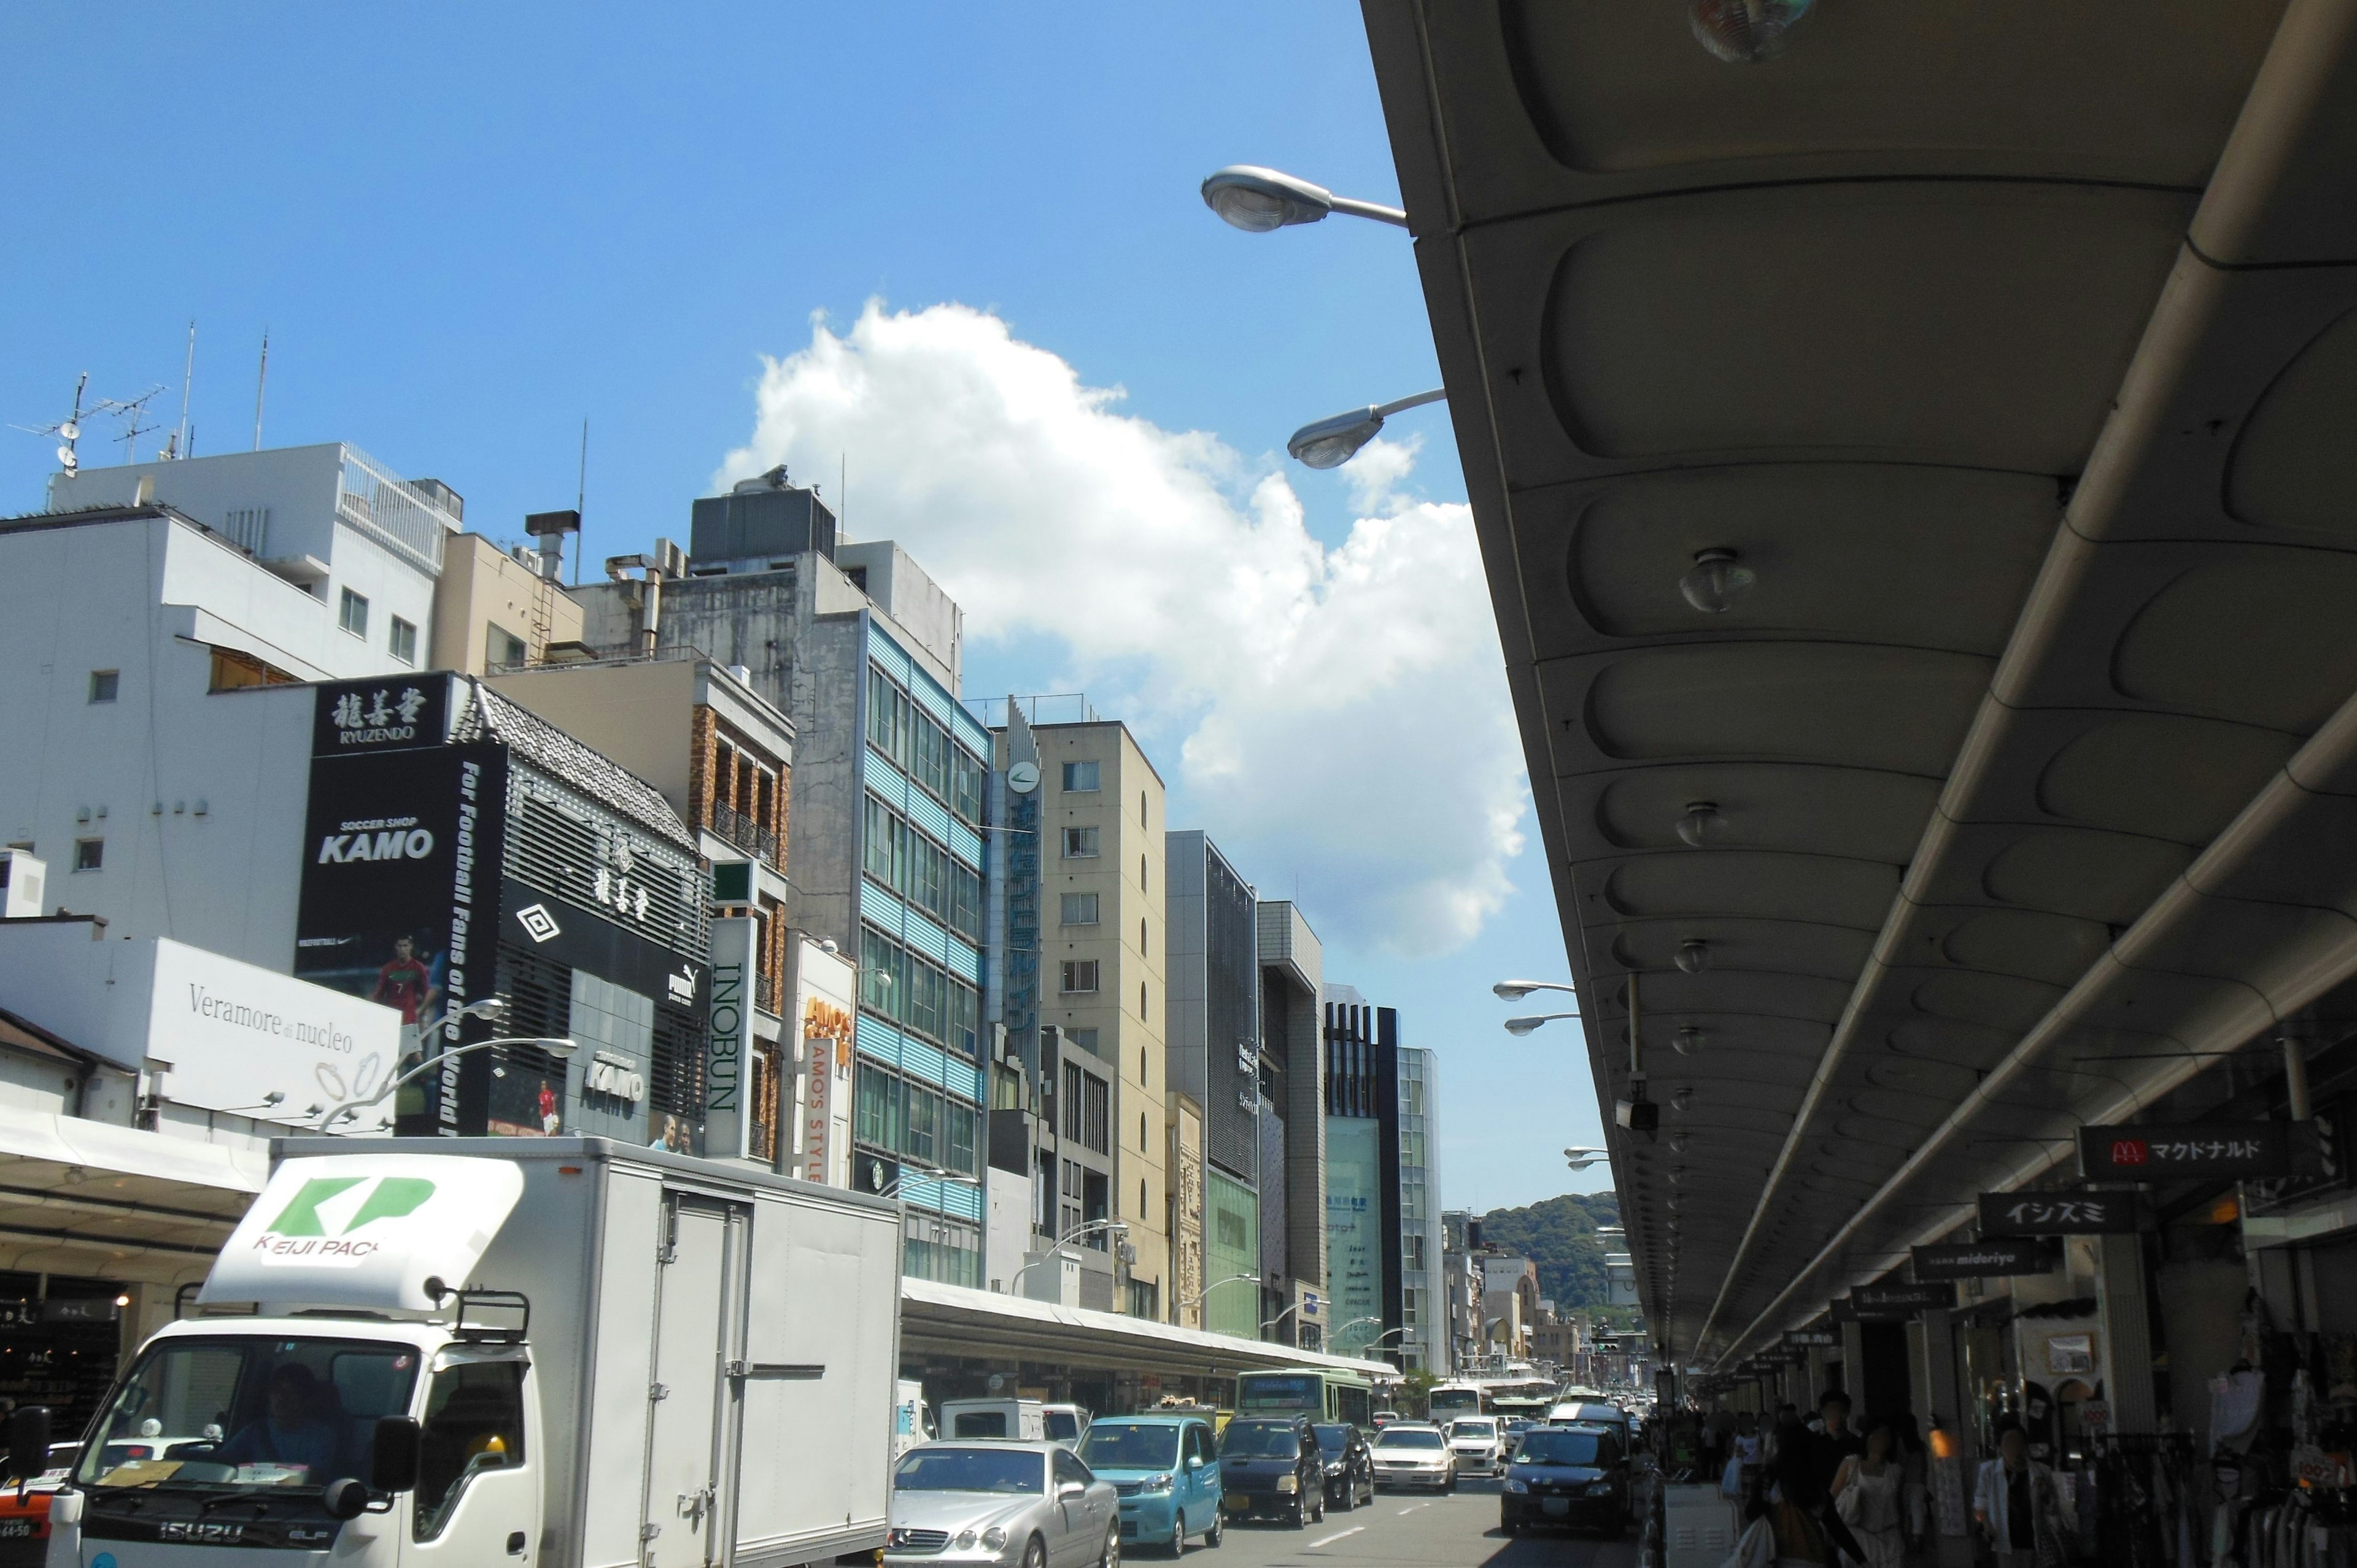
[(1996, 1257), (2329, 1172), (2229, 1149), (2062, 1213), (1938, 1293), (1804, 1338), (388, 713), (1846, 1310)]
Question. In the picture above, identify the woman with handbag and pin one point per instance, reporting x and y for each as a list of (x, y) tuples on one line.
[(1867, 1495)]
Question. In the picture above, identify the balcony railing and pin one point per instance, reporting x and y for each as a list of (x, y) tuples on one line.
[(744, 831), (765, 995), (375, 501)]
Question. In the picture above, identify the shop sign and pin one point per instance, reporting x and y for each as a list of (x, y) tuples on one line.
[(1995, 1258), (1938, 1295), (1846, 1310), (384, 714), (2328, 1173), (822, 1013), (2061, 1213), (728, 1038), (2229, 1149), (2095, 1417), (236, 1034), (1822, 1339)]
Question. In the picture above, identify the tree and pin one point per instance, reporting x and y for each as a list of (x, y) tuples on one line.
[(1559, 1235), (1416, 1392)]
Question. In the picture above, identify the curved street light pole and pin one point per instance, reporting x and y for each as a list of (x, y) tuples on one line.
[(1057, 1248), (559, 1047), (1333, 441), (1259, 200), (1207, 1290), (1515, 990), (1524, 1026)]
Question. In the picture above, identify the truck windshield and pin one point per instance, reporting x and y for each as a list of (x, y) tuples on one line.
[(247, 1412)]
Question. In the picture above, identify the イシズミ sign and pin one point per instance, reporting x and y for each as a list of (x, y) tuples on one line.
[(2061, 1213)]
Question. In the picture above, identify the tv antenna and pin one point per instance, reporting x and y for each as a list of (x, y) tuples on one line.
[(67, 430), (130, 412)]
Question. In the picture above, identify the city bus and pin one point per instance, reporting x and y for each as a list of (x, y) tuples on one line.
[(1450, 1401), (1314, 1391)]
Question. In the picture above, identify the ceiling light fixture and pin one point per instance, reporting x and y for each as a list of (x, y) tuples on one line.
[(1694, 955), (1700, 824), (1740, 32), (1688, 1040), (1716, 580), (1681, 1099)]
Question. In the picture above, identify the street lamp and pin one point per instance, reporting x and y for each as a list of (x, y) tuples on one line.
[(1524, 1026), (1259, 200), (1333, 441), (562, 1049), (1207, 1290), (1515, 990), (1114, 1226)]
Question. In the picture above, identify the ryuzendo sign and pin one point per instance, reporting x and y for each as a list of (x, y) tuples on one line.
[(366, 1230)]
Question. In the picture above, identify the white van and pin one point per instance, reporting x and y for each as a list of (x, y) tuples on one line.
[(1027, 1420), (911, 1423)]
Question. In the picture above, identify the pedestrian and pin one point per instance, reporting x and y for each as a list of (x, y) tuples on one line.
[(1833, 1440), (1794, 1505), (1867, 1495), (2015, 1503), (1915, 1481)]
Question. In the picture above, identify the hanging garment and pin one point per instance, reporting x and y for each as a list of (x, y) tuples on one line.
[(2235, 1400)]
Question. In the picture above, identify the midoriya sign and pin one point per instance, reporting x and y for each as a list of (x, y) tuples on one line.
[(2230, 1149), (1997, 1257)]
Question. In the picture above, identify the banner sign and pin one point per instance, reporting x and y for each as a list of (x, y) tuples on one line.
[(1997, 1257), (2230, 1149), (1939, 1293), (728, 1115), (2062, 1213), (1821, 1338)]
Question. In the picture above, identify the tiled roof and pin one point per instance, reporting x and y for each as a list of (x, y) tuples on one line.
[(488, 716)]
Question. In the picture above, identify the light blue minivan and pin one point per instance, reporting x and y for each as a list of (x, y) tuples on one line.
[(1166, 1472)]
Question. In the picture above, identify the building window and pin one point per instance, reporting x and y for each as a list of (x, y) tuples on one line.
[(1072, 1118), (354, 615), (1096, 1113), (1141, 1149), (925, 1124), (106, 684), (1080, 843), (1079, 909), (1141, 808), (1141, 874), (502, 647), (1086, 1039), (90, 853), (1080, 976), (1144, 1299), (403, 644), (1080, 777), (1141, 999), (1141, 933)]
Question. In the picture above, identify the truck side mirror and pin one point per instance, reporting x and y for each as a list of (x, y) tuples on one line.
[(28, 1441), (392, 1467)]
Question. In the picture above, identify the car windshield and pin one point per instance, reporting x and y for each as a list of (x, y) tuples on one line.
[(1251, 1440), (1009, 1470), (1117, 1445), (1557, 1446), (1408, 1437), (238, 1413), (1333, 1439)]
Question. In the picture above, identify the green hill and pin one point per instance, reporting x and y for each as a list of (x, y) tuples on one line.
[(1559, 1236)]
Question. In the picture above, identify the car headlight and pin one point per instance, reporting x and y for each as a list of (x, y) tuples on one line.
[(1334, 1466), (1288, 1483), (995, 1537), (1599, 1488), (965, 1540), (1517, 1487), (1155, 1483)]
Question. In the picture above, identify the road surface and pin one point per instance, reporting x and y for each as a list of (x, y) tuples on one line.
[(1403, 1530)]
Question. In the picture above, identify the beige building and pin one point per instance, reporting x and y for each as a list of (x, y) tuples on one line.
[(1101, 865), (490, 608)]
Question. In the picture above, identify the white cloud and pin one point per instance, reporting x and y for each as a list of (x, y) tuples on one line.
[(1340, 713)]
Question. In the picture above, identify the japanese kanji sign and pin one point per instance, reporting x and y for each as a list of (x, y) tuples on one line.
[(2248, 1149), (1996, 1257), (1823, 1339), (1903, 1297), (2061, 1213), (391, 713)]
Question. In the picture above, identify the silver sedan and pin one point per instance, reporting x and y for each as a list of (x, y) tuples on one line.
[(1014, 1505)]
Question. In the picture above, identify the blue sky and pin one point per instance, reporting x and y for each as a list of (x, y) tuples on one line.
[(466, 232)]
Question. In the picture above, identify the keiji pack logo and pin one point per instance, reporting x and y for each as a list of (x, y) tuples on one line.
[(321, 1224)]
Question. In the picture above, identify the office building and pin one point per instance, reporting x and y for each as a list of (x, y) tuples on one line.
[(1214, 1061), (1292, 1129), (1424, 1340)]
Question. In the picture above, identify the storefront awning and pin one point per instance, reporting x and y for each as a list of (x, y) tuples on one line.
[(86, 1197), (952, 1320)]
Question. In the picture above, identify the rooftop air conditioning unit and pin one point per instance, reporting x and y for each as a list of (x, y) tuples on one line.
[(22, 879)]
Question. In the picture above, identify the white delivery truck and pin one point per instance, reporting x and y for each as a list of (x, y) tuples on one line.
[(563, 1352)]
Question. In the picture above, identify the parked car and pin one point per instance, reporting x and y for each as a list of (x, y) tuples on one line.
[(1272, 1464), (1164, 1471), (1349, 1465), (1476, 1442), (1414, 1454), (1025, 1505), (1570, 1476)]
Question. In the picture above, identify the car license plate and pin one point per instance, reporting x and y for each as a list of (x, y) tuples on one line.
[(1555, 1507)]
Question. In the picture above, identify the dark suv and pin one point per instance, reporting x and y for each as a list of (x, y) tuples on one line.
[(1349, 1465), (1273, 1466), (1575, 1476)]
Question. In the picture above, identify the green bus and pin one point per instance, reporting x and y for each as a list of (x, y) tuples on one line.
[(1314, 1391)]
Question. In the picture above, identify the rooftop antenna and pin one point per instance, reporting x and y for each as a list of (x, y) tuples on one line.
[(67, 430), (130, 412), (260, 381), (581, 495), (187, 382)]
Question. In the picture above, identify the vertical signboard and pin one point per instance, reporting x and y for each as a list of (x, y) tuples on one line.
[(1353, 1218), (727, 1119), (823, 1015), (403, 843)]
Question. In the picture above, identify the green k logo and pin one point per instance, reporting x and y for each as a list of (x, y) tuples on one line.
[(394, 1197)]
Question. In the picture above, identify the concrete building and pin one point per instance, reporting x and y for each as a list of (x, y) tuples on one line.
[(1214, 1060), (1510, 1304), (1291, 1129), (1424, 1340), (498, 610), (1460, 1315), (860, 651), (1102, 981)]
